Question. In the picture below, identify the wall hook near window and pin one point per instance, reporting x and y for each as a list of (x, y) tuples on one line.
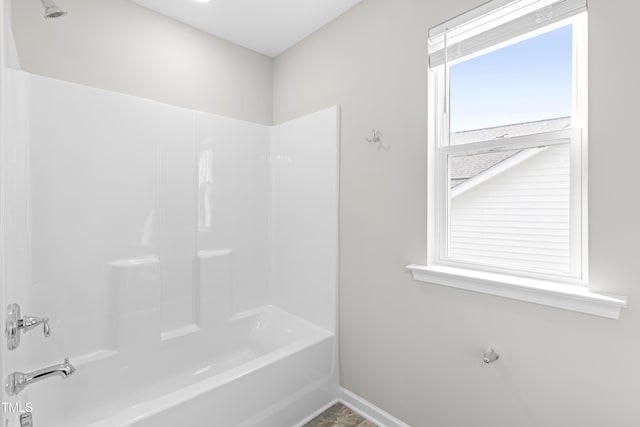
[(376, 138), (490, 356)]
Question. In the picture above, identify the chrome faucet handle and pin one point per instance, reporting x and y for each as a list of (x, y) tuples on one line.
[(29, 322), (14, 324)]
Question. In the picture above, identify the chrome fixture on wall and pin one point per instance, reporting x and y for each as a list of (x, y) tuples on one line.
[(490, 356), (376, 138), (17, 381), (51, 10), (14, 324)]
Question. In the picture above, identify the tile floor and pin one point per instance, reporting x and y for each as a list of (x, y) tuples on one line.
[(339, 416)]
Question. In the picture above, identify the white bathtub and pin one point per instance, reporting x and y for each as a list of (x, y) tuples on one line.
[(276, 369)]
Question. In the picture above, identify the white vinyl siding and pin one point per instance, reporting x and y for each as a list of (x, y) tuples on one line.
[(519, 218)]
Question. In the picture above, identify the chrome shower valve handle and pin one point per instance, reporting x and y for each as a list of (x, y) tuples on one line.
[(29, 322), (15, 324)]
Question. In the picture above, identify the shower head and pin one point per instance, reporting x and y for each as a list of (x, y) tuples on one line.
[(51, 10)]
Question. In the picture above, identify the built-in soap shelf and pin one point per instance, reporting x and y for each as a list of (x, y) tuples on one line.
[(135, 300)]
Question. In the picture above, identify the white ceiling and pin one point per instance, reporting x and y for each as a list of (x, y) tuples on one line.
[(266, 26)]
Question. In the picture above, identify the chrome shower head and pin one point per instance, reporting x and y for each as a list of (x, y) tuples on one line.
[(51, 10)]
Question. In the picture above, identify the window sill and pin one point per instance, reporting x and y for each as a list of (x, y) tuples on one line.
[(558, 295)]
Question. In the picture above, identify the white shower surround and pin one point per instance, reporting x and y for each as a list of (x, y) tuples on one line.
[(162, 241)]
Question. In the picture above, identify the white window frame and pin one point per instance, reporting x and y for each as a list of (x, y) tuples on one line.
[(569, 290), (576, 136)]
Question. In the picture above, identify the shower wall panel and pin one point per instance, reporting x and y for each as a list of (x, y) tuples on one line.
[(136, 209), (304, 216), (233, 188)]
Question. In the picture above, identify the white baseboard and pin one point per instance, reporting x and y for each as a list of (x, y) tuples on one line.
[(316, 413), (368, 409)]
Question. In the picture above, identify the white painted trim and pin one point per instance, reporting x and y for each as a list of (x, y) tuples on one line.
[(439, 192), (510, 143), (581, 117), (552, 294), (316, 413), (368, 410), (359, 405)]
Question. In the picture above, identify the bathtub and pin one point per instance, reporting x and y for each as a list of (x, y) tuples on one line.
[(271, 369)]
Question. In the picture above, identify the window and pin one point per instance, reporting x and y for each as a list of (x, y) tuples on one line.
[(507, 148), (509, 143)]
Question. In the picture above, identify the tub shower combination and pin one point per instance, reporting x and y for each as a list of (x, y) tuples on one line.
[(184, 264)]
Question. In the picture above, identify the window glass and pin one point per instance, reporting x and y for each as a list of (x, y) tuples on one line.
[(511, 208), (520, 89)]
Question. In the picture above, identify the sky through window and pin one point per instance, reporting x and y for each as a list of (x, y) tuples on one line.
[(524, 82)]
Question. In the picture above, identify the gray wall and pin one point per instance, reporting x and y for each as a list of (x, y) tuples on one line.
[(120, 46), (415, 349)]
